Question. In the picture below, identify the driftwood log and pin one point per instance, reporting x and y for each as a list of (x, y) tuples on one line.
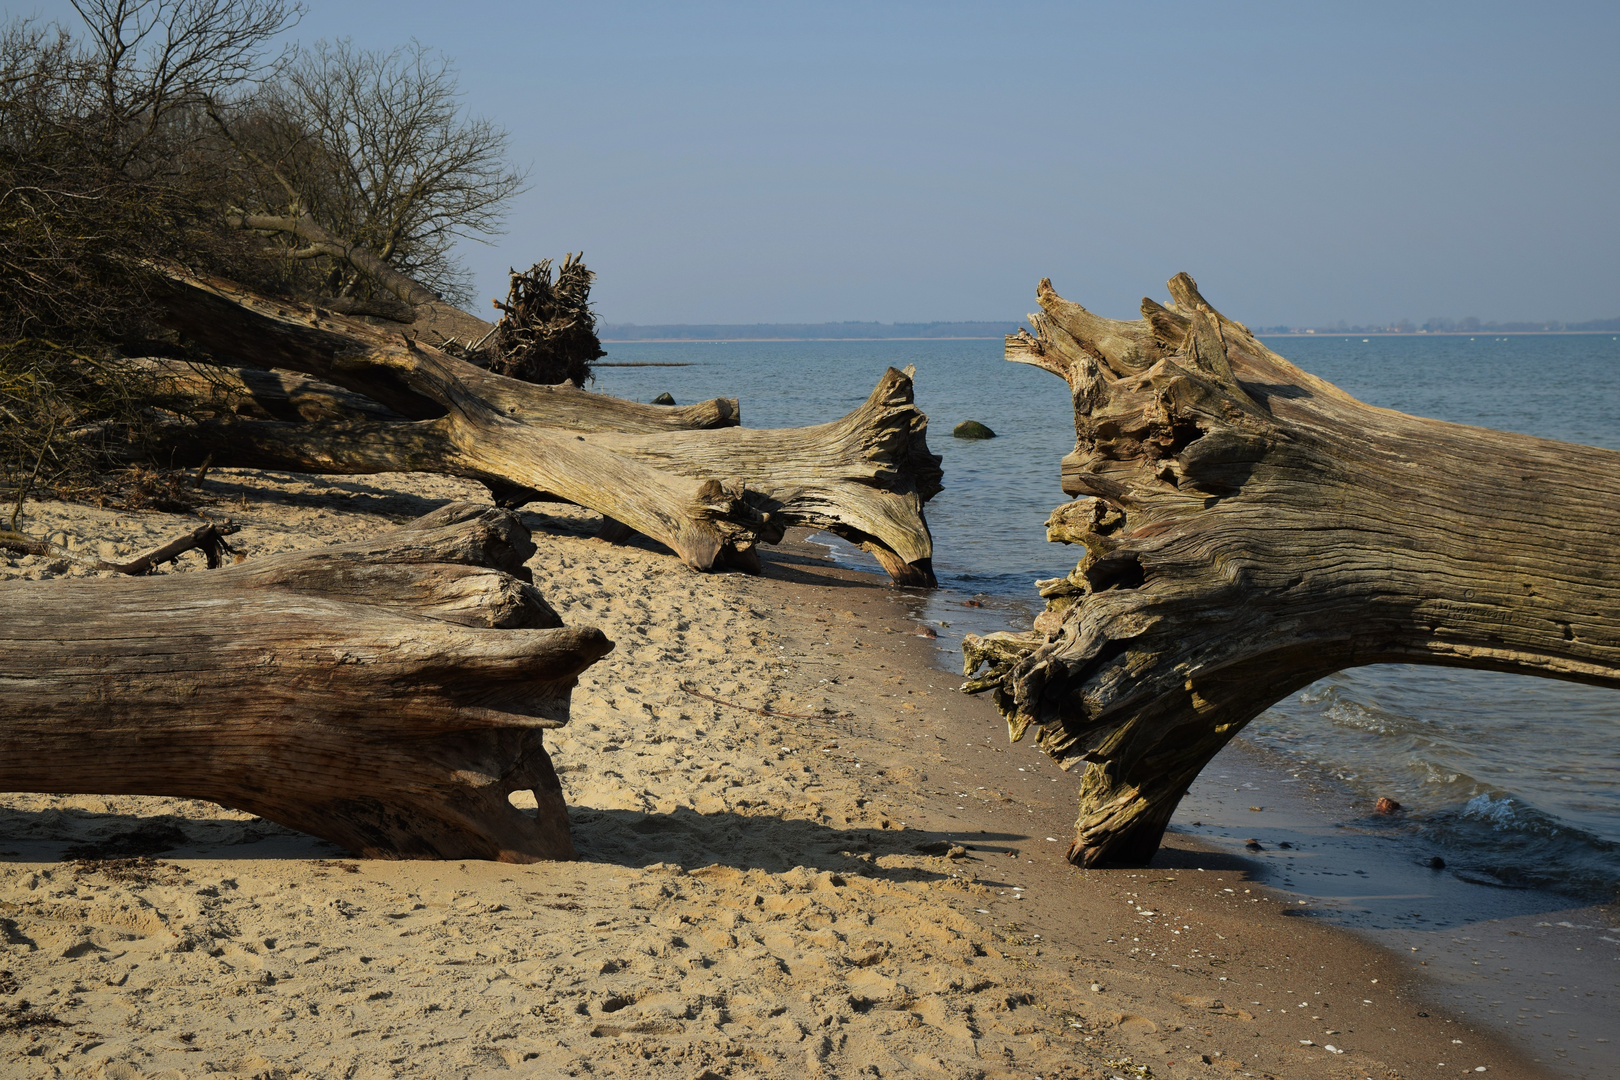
[(1249, 528), (683, 476), (208, 539), (387, 696)]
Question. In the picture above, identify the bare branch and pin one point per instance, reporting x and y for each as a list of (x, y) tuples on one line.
[(321, 242), (376, 148)]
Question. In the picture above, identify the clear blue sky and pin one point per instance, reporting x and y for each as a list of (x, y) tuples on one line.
[(905, 162)]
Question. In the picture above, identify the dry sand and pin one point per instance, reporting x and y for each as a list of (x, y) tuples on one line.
[(869, 883)]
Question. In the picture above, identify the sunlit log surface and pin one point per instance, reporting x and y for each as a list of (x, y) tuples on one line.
[(1248, 529), (387, 695)]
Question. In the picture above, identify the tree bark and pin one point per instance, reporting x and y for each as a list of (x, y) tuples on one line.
[(387, 695), (318, 242), (710, 495), (1250, 528)]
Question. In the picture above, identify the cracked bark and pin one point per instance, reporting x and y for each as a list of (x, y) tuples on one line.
[(1249, 528)]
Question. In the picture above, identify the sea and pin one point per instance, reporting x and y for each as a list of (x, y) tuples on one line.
[(1511, 782)]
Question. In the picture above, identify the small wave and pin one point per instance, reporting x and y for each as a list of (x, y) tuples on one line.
[(1498, 812), (1434, 773), (1347, 712), (1520, 845), (1316, 693), (1489, 835)]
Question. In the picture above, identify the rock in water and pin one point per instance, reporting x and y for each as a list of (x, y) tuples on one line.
[(972, 429), (1386, 805), (663, 399)]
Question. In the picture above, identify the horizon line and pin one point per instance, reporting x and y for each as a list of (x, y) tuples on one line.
[(717, 340), (1526, 326)]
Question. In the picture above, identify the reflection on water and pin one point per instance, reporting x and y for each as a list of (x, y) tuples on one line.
[(1516, 777)]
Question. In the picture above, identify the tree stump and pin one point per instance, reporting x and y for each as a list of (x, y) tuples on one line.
[(1249, 529), (387, 695)]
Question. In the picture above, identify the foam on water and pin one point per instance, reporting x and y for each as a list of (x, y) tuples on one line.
[(1515, 778)]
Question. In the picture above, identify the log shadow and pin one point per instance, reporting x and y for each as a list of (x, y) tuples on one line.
[(775, 845), (539, 521), (1171, 856), (822, 573), (621, 837), (68, 834), (797, 559), (272, 487)]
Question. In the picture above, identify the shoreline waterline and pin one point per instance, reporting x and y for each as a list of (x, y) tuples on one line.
[(1512, 773), (867, 857), (1485, 946)]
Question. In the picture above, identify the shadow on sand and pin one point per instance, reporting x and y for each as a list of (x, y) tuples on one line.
[(621, 837)]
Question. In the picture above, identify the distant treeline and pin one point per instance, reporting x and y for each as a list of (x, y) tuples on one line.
[(802, 331), (1452, 326), (855, 331)]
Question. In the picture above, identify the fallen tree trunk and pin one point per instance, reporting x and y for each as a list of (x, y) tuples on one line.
[(388, 696), (864, 477), (1250, 528), (710, 495), (267, 394)]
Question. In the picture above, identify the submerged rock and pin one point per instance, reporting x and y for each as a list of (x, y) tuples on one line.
[(972, 429)]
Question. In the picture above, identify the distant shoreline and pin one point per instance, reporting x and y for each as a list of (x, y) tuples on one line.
[(998, 337), (730, 340), (1442, 333)]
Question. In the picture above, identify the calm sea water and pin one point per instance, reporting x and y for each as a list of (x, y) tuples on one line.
[(1517, 778)]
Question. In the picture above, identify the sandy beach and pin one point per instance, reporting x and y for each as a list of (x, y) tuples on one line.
[(803, 854)]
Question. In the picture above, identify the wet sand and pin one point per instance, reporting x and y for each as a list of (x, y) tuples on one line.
[(1542, 969), (868, 881)]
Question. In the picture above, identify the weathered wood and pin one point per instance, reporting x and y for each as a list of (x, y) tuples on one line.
[(266, 394), (467, 421), (710, 495), (547, 331), (388, 695), (261, 394), (864, 476), (1250, 528), (209, 539)]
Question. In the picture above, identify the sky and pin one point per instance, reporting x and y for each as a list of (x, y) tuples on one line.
[(809, 162)]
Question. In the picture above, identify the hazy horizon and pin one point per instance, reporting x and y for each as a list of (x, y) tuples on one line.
[(1464, 326), (726, 163)]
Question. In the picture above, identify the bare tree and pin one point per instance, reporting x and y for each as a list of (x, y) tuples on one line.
[(99, 169), (146, 59), (374, 149)]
